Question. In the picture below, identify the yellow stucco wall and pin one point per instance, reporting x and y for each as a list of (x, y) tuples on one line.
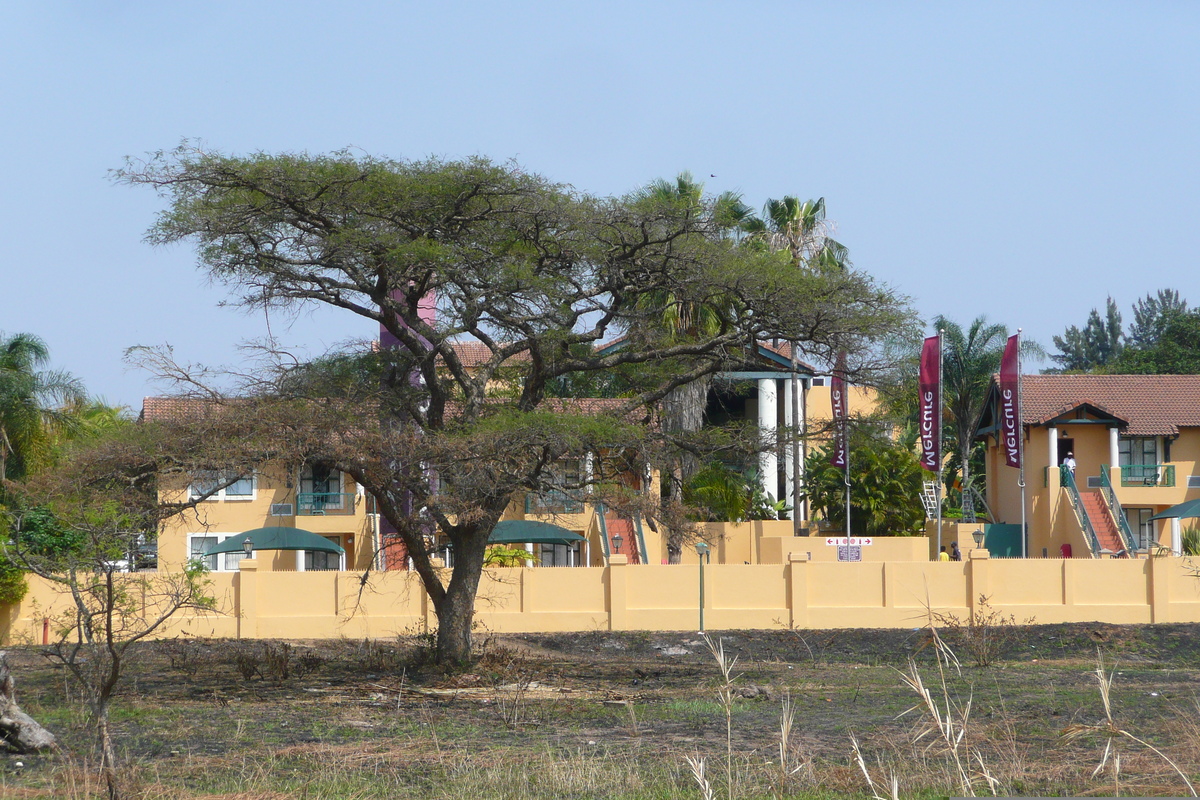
[(254, 603), (220, 517)]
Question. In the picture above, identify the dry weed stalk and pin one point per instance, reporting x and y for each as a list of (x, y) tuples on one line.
[(894, 783), (696, 763), (1112, 732), (950, 720), (726, 665)]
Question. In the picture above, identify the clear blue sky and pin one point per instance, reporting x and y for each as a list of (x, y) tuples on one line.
[(1018, 160)]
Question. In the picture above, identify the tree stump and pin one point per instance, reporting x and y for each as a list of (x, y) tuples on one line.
[(19, 732)]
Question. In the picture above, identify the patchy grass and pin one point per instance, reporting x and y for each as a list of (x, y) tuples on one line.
[(602, 715)]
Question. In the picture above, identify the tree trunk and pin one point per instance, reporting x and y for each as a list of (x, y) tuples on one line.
[(456, 611), (19, 731), (108, 755)]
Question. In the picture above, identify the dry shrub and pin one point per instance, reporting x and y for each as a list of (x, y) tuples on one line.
[(986, 633)]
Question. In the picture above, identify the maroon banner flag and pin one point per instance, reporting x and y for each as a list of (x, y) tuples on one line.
[(930, 389), (1010, 403), (837, 398)]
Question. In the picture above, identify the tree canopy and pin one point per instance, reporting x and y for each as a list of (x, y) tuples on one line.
[(534, 275), (1161, 339)]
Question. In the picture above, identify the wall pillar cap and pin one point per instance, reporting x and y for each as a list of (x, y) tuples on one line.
[(618, 560), (248, 565), (794, 557), (978, 552)]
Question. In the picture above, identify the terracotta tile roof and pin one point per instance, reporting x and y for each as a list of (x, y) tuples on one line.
[(157, 408), (1152, 405)]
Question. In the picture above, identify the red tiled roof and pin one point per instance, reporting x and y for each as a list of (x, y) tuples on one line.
[(157, 408), (1152, 405)]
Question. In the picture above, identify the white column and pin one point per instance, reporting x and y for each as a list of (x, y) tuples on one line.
[(1052, 432), (1114, 456), (299, 561), (1176, 538), (529, 549), (768, 459), (789, 465), (801, 428)]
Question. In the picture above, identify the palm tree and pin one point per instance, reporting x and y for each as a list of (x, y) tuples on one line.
[(678, 318), (800, 228), (970, 358), (35, 404)]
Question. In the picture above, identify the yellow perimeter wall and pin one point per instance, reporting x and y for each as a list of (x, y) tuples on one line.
[(799, 593)]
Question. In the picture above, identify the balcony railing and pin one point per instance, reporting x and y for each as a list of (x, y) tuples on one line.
[(552, 502), (318, 504), (1148, 475)]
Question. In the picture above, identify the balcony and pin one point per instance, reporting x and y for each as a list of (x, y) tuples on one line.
[(552, 502), (325, 504), (1148, 475)]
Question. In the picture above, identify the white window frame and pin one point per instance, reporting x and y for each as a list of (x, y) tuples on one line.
[(226, 562), (225, 494)]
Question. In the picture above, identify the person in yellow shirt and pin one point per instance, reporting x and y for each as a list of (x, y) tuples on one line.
[(943, 556)]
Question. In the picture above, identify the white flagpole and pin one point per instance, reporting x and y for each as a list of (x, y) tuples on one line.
[(938, 416), (1021, 449)]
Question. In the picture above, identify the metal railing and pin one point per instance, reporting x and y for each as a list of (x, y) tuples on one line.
[(1114, 508), (1148, 475), (1067, 478), (552, 502), (316, 504)]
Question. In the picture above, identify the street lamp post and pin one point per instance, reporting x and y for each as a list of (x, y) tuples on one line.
[(702, 550)]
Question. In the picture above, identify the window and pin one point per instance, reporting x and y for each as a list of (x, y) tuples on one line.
[(564, 481), (198, 543), (1141, 526), (320, 560), (1138, 458), (559, 555), (320, 490), (204, 482)]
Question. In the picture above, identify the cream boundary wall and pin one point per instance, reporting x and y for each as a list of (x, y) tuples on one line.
[(799, 593)]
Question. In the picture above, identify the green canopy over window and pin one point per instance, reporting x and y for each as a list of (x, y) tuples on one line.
[(278, 538), (521, 531), (1188, 508)]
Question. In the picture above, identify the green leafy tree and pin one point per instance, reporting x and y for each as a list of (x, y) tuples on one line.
[(527, 269), (1151, 315), (1175, 349), (885, 485), (35, 404), (1097, 344)]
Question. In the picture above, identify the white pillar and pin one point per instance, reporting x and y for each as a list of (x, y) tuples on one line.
[(299, 561), (789, 465), (1176, 538), (529, 549), (1114, 453), (768, 459), (1052, 433), (801, 428)]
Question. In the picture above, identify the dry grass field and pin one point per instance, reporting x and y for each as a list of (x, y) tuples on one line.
[(638, 715)]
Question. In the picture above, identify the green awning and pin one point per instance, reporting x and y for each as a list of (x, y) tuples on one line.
[(278, 538), (522, 531), (1188, 508)]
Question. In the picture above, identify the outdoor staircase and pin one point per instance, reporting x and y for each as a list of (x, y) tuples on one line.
[(614, 525), (1102, 523)]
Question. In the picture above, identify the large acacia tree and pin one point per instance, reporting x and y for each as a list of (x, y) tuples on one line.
[(534, 273)]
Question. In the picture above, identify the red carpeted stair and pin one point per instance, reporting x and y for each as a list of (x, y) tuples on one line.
[(1102, 522), (616, 525)]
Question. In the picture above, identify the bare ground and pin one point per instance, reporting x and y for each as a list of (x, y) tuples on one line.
[(221, 718)]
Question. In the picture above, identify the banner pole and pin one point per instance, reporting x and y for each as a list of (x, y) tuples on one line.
[(941, 333), (1021, 451)]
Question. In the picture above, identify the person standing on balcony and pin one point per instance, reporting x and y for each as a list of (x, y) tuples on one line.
[(1069, 462)]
